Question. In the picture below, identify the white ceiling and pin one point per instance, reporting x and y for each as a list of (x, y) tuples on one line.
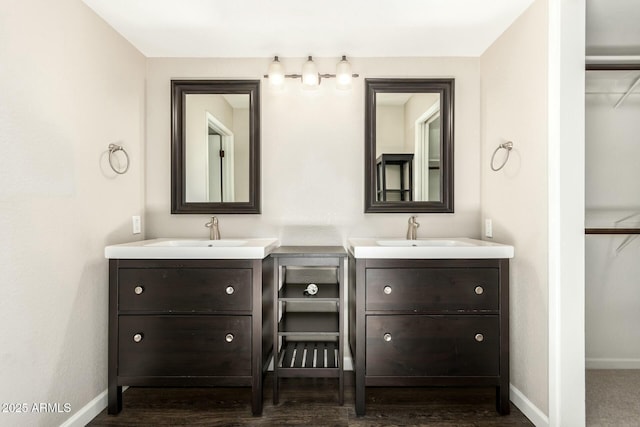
[(329, 28)]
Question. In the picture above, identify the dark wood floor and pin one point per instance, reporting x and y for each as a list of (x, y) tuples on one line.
[(310, 402)]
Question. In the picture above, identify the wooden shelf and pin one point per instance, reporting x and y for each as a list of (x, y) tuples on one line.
[(309, 323), (295, 292), (308, 334)]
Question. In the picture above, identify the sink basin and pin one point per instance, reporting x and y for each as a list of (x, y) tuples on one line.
[(434, 248), (228, 243), (424, 242), (170, 248)]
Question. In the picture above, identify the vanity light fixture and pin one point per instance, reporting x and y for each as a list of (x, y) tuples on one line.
[(310, 77)]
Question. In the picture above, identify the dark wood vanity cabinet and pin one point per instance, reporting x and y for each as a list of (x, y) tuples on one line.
[(189, 323), (416, 322)]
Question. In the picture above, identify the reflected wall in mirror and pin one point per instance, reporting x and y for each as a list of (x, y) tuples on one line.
[(409, 145), (215, 146)]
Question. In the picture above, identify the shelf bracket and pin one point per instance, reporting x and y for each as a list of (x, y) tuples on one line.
[(627, 93)]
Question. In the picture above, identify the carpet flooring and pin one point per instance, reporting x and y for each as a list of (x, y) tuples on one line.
[(613, 398)]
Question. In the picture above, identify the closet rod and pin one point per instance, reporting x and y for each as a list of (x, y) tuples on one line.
[(612, 67), (612, 62)]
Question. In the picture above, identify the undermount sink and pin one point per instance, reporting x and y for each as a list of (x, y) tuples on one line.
[(429, 248), (174, 248)]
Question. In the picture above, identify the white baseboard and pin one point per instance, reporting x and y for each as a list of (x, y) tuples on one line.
[(89, 411), (612, 363), (84, 415), (531, 411)]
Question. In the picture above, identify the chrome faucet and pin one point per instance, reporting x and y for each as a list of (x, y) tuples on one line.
[(412, 231), (214, 231)]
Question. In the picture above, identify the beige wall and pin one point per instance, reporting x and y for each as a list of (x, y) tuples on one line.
[(69, 86), (313, 153), (390, 135), (514, 107)]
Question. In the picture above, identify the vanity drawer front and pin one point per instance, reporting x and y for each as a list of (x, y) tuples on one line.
[(184, 289), (420, 345), (432, 289), (169, 346)]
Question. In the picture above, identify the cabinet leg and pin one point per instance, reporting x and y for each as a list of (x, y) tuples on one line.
[(114, 399), (341, 388), (256, 400), (360, 394), (503, 405), (276, 388)]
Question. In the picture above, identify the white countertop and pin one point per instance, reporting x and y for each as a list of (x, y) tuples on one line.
[(182, 248), (428, 248)]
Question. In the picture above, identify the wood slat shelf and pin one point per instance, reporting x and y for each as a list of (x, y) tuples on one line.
[(309, 323), (309, 355)]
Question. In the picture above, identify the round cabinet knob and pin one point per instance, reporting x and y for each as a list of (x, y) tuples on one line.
[(312, 289), (387, 290), (479, 290), (228, 337), (230, 290), (137, 338), (479, 337), (138, 290), (387, 337)]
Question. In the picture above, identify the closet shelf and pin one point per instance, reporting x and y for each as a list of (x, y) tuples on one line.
[(612, 231)]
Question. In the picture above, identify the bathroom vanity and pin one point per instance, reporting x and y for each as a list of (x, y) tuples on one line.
[(430, 312), (197, 321)]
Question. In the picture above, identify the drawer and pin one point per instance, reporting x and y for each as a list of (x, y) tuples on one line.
[(184, 289), (170, 346), (420, 345), (432, 289)]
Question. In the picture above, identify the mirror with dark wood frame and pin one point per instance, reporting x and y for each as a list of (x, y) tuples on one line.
[(409, 145), (215, 146)]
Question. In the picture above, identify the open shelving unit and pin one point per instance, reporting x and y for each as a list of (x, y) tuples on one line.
[(309, 328), (404, 163)]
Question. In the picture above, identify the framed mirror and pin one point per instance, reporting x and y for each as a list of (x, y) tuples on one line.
[(409, 145), (215, 146)]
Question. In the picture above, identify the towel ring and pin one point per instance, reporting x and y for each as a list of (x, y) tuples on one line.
[(507, 146), (112, 149)]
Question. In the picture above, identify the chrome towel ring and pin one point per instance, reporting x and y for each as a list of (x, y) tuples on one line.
[(507, 146), (112, 149)]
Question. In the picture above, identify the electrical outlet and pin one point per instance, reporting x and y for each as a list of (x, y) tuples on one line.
[(488, 228), (136, 223)]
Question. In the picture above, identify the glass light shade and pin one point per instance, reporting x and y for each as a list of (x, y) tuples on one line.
[(276, 73), (310, 73), (343, 74)]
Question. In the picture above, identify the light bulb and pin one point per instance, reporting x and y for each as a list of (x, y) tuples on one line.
[(343, 74), (310, 74), (276, 73)]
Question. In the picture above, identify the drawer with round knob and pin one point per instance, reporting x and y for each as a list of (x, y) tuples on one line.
[(432, 289), (178, 346), (184, 289), (428, 346)]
